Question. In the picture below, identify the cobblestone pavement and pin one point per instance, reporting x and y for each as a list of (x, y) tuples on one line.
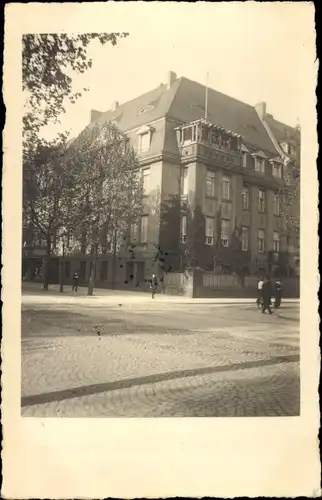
[(160, 360)]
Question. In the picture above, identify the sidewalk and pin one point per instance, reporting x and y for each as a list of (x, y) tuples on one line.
[(125, 296)]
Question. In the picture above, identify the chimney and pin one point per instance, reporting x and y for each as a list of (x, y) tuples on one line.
[(261, 109), (115, 105), (171, 79)]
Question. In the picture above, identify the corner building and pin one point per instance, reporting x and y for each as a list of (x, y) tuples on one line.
[(229, 161)]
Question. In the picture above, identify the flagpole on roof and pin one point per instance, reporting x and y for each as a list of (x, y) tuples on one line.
[(206, 99)]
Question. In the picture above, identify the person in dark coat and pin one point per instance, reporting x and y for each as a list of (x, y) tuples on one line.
[(278, 293), (75, 281), (267, 296), (153, 285)]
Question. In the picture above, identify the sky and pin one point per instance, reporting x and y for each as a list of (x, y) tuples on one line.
[(252, 51)]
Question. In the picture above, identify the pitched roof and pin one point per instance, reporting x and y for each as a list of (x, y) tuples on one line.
[(241, 118), (143, 109), (281, 131), (184, 101)]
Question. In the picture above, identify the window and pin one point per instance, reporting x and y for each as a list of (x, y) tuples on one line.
[(210, 183), (259, 164), (276, 242), (183, 229), (134, 232), (277, 170), (277, 204), (187, 134), (144, 228), (82, 272), (245, 198), (245, 239), (67, 269), (103, 271), (146, 178), (184, 181), (226, 188), (244, 159), (285, 147), (144, 142), (297, 242), (224, 236), (261, 201), (261, 240), (209, 230), (149, 107)]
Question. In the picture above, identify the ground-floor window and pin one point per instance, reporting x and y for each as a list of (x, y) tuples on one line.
[(103, 271), (67, 269)]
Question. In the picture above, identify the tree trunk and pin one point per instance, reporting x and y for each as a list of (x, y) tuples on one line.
[(92, 275), (46, 264), (61, 264), (114, 260)]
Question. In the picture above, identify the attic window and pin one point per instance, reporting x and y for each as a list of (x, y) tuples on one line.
[(145, 136), (285, 147), (146, 109), (200, 107), (259, 161), (277, 167)]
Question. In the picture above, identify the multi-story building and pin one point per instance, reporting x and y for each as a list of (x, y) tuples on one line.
[(225, 163)]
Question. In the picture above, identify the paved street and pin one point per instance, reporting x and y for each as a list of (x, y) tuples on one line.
[(124, 355)]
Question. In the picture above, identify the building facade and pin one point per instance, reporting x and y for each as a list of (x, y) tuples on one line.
[(211, 177)]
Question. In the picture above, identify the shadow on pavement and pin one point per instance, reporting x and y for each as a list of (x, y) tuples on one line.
[(149, 379)]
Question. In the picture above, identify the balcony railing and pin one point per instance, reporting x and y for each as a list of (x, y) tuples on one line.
[(205, 139)]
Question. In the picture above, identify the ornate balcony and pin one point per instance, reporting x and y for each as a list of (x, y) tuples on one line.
[(201, 138)]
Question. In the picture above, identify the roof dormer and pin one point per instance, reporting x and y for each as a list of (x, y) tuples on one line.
[(145, 137), (259, 161)]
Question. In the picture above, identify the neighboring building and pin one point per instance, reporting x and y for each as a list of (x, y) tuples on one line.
[(287, 141), (229, 168)]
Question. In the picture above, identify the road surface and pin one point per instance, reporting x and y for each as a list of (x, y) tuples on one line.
[(126, 356)]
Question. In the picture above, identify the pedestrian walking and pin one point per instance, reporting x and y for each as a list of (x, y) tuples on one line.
[(259, 299), (278, 293), (153, 285), (267, 296), (75, 281)]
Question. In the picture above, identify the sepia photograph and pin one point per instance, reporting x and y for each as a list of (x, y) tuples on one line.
[(160, 250), (160, 233)]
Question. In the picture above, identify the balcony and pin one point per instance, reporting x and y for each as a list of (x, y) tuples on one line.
[(203, 139)]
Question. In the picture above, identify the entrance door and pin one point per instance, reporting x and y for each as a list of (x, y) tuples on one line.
[(140, 268), (129, 276), (82, 272)]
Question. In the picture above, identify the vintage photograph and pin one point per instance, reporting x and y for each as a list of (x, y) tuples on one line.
[(160, 258)]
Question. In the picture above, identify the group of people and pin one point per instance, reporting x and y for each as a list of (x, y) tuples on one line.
[(265, 293)]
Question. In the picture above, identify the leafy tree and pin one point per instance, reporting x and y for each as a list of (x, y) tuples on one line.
[(49, 195), (48, 62), (290, 191), (196, 249), (110, 188)]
